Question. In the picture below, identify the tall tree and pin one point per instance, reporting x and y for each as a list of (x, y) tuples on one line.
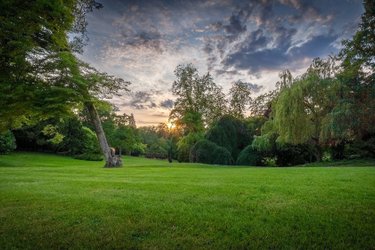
[(262, 104), (360, 50), (199, 100), (286, 80), (300, 110), (240, 98), (99, 85), (34, 49), (355, 112)]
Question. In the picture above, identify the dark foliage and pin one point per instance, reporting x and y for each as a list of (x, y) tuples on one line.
[(250, 156), (205, 151), (221, 156), (361, 148), (76, 140), (230, 133), (185, 145), (31, 138), (7, 142), (289, 154)]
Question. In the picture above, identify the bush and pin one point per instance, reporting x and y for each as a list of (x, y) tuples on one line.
[(185, 144), (205, 151), (158, 149), (222, 156), (7, 142), (91, 144), (361, 148), (269, 161), (289, 155), (250, 156), (89, 157), (201, 151), (286, 154), (75, 137), (230, 133), (138, 149), (327, 157)]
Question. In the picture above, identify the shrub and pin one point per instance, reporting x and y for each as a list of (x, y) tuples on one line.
[(202, 151), (250, 156), (90, 150), (205, 151), (185, 144), (289, 155), (138, 149), (158, 149), (74, 137), (269, 161), (327, 157), (222, 156), (91, 144), (230, 133), (7, 142), (361, 148), (286, 154)]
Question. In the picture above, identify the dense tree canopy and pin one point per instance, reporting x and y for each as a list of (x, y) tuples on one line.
[(36, 61), (40, 76)]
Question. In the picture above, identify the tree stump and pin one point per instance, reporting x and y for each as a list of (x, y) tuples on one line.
[(113, 162)]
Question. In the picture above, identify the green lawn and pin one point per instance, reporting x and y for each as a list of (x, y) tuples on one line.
[(55, 202)]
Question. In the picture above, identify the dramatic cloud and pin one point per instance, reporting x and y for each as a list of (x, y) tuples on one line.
[(268, 41), (143, 42), (146, 100), (141, 100), (254, 87), (168, 104)]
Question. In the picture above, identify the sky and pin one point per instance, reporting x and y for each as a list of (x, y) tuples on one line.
[(144, 41)]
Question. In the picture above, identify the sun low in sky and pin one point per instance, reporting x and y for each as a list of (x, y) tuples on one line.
[(252, 41)]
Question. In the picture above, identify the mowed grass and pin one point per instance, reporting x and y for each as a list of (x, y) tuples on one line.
[(49, 201)]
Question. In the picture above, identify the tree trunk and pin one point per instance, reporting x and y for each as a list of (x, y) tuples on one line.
[(111, 160), (318, 151), (338, 151)]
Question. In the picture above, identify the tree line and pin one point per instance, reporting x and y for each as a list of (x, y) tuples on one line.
[(327, 113)]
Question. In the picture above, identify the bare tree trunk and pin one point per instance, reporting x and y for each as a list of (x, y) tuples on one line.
[(110, 159)]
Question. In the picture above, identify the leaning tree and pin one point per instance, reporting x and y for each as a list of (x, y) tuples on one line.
[(92, 84)]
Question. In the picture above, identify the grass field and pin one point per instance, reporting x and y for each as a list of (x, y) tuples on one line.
[(55, 202)]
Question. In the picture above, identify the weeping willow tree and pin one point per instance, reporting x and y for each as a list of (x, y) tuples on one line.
[(333, 103), (292, 119), (299, 112)]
